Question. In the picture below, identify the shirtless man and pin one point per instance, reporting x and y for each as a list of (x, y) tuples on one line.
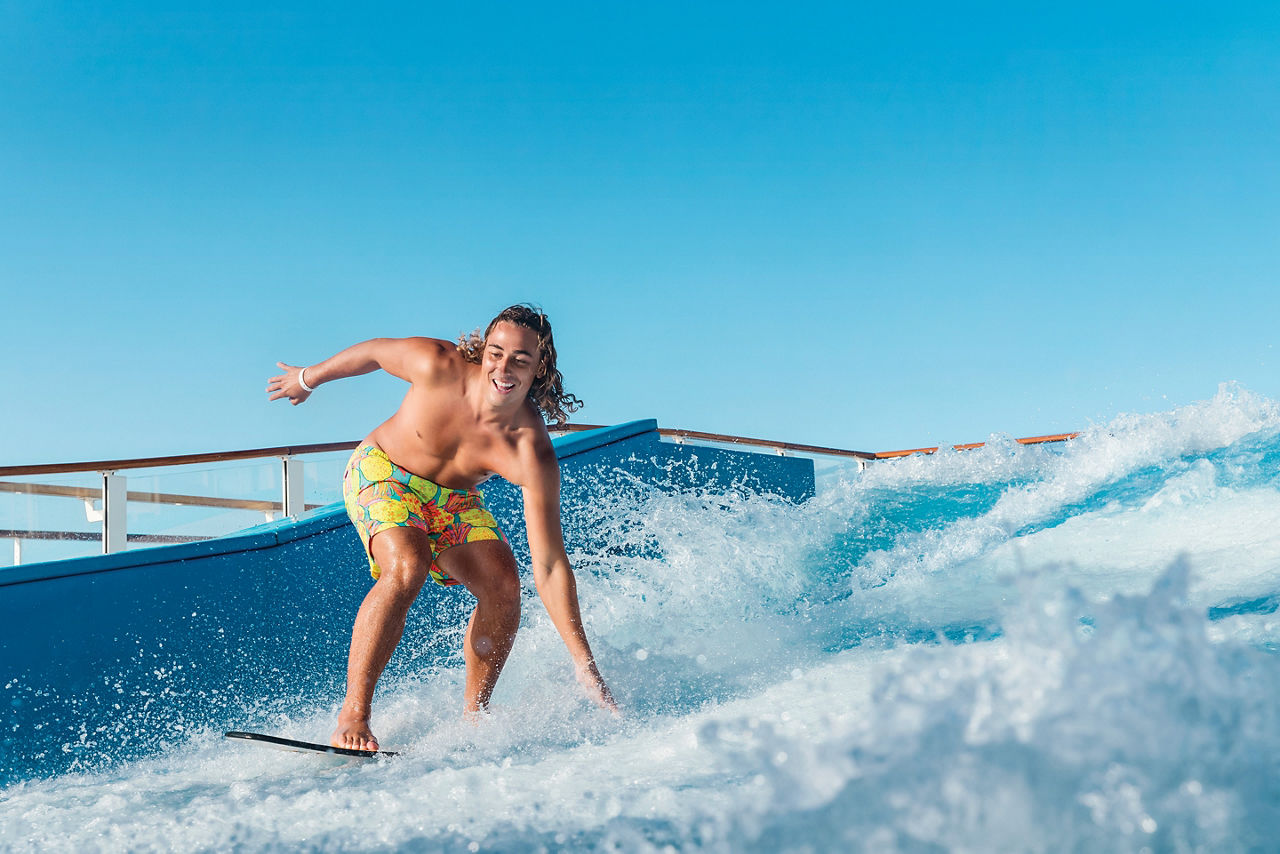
[(473, 409)]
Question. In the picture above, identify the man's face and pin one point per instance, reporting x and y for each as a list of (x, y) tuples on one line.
[(510, 361)]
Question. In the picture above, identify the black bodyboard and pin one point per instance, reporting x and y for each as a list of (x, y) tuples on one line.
[(306, 746)]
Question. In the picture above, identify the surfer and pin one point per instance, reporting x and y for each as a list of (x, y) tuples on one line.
[(473, 409)]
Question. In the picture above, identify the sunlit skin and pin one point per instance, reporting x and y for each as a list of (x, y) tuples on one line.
[(459, 423)]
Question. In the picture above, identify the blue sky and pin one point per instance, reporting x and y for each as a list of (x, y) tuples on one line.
[(862, 225)]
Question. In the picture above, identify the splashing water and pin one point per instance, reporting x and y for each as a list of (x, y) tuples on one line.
[(1014, 648)]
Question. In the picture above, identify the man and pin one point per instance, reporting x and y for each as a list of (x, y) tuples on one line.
[(473, 409)]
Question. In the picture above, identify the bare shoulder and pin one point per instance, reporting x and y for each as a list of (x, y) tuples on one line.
[(435, 349), (539, 465), (428, 359)]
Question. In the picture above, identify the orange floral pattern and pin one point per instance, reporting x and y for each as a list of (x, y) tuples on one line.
[(380, 495)]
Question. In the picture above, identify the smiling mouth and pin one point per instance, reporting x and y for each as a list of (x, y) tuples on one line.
[(503, 387)]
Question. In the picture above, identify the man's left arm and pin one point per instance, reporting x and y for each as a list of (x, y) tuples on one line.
[(552, 573)]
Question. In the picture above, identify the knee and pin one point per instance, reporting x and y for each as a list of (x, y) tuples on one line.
[(502, 590), (404, 558), (400, 581)]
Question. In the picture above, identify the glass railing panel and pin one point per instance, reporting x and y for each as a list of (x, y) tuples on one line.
[(50, 517), (322, 475), (199, 502)]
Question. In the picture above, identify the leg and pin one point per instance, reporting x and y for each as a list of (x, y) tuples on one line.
[(404, 556), (488, 570)]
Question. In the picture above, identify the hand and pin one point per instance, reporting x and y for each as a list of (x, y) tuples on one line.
[(589, 677), (287, 385)]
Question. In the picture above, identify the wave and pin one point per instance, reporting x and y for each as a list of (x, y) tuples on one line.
[(1015, 647)]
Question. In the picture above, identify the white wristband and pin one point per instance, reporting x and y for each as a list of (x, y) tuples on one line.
[(302, 381)]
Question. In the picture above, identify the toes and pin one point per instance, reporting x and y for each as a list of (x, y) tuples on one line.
[(354, 740)]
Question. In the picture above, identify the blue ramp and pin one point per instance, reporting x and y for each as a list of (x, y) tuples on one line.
[(117, 656)]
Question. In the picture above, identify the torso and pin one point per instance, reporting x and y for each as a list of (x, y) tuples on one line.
[(436, 434)]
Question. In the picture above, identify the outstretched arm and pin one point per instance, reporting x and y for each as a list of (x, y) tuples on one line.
[(406, 358), (554, 576)]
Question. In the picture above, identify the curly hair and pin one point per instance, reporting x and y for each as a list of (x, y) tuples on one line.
[(547, 392)]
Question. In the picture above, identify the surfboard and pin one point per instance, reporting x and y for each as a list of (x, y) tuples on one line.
[(305, 746)]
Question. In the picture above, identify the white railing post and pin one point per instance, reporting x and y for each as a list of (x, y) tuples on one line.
[(294, 490), (17, 551), (115, 500)]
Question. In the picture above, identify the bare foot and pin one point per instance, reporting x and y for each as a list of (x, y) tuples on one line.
[(353, 731)]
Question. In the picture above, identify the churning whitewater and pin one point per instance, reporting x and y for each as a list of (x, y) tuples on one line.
[(1067, 647)]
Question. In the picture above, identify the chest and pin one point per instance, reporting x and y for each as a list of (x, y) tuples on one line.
[(467, 450)]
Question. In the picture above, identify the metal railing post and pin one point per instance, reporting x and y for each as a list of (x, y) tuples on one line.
[(115, 500), (17, 551), (294, 491)]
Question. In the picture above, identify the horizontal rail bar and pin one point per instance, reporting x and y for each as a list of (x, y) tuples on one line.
[(216, 457), (764, 443), (180, 460), (94, 536), (819, 449), (1030, 440), (88, 493), (291, 450)]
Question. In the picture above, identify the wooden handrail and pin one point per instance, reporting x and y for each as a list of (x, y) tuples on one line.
[(1030, 440), (179, 460), (298, 450), (214, 457), (764, 443)]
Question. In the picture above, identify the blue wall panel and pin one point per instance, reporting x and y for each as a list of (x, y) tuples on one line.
[(113, 657)]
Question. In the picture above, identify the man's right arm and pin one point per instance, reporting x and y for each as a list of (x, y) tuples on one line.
[(410, 359)]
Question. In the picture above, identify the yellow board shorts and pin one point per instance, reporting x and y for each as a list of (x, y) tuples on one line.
[(380, 495)]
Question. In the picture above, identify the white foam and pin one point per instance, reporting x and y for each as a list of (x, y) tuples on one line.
[(785, 686)]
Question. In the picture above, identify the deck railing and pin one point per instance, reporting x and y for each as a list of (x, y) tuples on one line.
[(276, 480)]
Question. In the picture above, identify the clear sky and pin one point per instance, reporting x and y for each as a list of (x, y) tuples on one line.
[(866, 225)]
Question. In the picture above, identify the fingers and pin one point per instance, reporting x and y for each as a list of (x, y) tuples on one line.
[(279, 386), (295, 399), (601, 694)]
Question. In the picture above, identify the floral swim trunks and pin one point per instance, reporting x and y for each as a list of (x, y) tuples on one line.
[(380, 495)]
